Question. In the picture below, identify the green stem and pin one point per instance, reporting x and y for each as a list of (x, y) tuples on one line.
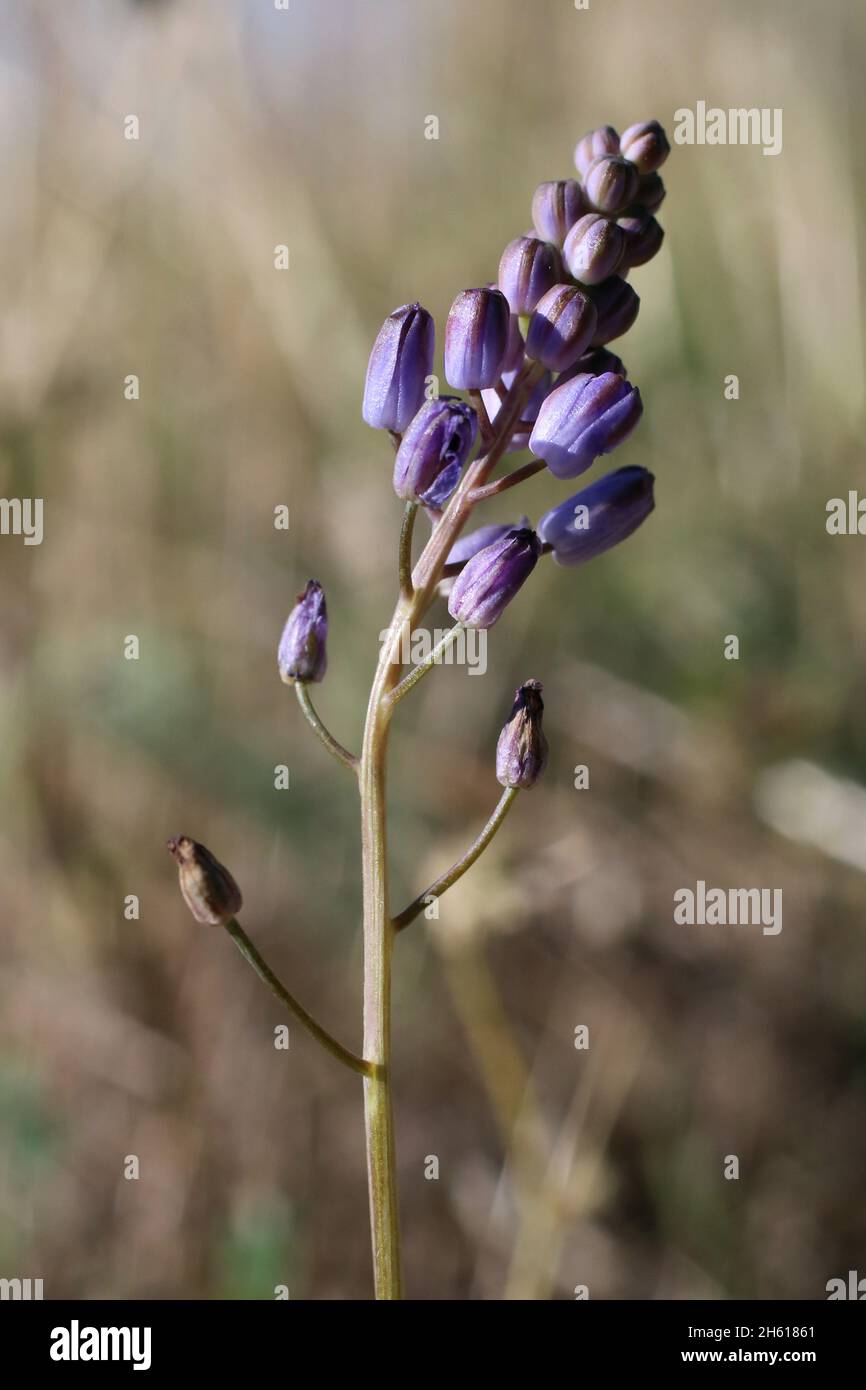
[(458, 869), (405, 554), (336, 749), (421, 670), (265, 973)]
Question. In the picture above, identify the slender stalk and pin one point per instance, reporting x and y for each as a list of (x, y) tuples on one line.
[(519, 475), (336, 749), (253, 957), (421, 670), (405, 553), (483, 418), (458, 869)]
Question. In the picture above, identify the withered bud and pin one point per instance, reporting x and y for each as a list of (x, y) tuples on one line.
[(521, 753), (208, 888)]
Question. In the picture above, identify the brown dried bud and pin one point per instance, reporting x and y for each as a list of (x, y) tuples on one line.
[(208, 888)]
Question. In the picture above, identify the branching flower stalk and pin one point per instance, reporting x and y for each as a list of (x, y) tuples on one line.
[(530, 353)]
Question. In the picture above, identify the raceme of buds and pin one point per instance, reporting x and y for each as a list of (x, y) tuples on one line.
[(594, 248), (519, 437), (591, 147), (562, 327), (642, 236), (208, 888), (483, 590), (598, 517), (611, 183), (646, 145), (528, 268), (556, 206), (433, 450), (302, 653), (651, 192), (583, 418), (476, 339), (617, 306), (401, 361), (521, 753)]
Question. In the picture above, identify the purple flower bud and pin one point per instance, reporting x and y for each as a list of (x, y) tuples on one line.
[(617, 305), (611, 183), (598, 142), (562, 327), (583, 418), (599, 517), (521, 753), (527, 270), (433, 451), (401, 360), (646, 145), (594, 248), (483, 590), (520, 438), (643, 236), (208, 888), (476, 339), (302, 654), (556, 206), (595, 362), (466, 546), (651, 192)]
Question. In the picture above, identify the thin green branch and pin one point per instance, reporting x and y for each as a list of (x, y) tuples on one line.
[(405, 552), (459, 868), (264, 972), (519, 475), (336, 749), (421, 670)]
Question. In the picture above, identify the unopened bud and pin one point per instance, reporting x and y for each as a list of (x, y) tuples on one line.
[(617, 305), (611, 183), (528, 268), (556, 206), (594, 248), (642, 235), (646, 145), (476, 339), (302, 653), (561, 327), (592, 146), (651, 192), (521, 753), (208, 888)]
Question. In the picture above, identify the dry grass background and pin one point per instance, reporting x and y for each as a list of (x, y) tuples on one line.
[(149, 1038)]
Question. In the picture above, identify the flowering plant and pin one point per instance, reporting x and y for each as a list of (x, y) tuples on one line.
[(531, 354)]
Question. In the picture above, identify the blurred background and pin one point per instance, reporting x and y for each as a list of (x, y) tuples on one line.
[(150, 1037)]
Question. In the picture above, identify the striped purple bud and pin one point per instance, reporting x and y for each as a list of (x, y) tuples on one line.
[(521, 753), (651, 192), (556, 206), (485, 587), (583, 418), (594, 248), (592, 146), (562, 327), (617, 305), (208, 888), (642, 235), (528, 268), (476, 339), (466, 546), (433, 451), (599, 517), (401, 361), (529, 413), (646, 145), (611, 183), (302, 653), (595, 362)]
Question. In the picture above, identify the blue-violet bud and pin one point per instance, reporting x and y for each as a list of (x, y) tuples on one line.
[(562, 327), (646, 145), (556, 206), (651, 192), (528, 268), (592, 146), (208, 888), (611, 183), (466, 546), (521, 753), (302, 654), (483, 590), (643, 236), (617, 305), (583, 418), (598, 517), (476, 339), (594, 248), (596, 361), (401, 361), (433, 451)]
